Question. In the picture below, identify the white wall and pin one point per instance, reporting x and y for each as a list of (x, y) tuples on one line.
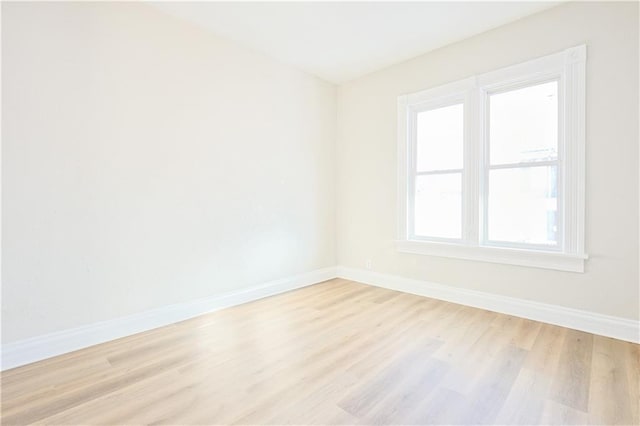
[(366, 194), (146, 162)]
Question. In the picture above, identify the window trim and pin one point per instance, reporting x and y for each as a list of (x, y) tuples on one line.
[(566, 67)]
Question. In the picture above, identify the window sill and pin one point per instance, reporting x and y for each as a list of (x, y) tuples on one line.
[(509, 256)]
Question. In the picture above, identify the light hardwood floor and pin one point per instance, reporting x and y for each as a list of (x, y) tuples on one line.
[(336, 353)]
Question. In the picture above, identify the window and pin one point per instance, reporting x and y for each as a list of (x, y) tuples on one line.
[(491, 168)]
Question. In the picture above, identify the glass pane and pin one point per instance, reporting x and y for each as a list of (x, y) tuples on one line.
[(523, 124), (438, 206), (523, 205), (439, 137)]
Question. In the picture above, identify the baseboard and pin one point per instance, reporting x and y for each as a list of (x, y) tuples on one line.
[(58, 343), (604, 325)]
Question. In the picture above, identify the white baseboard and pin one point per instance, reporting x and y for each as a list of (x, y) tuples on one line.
[(49, 345), (41, 347), (604, 325)]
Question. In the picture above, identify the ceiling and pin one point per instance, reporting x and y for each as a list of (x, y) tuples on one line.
[(340, 41)]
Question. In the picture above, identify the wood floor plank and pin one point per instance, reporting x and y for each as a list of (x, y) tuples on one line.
[(396, 406), (632, 367), (470, 365), (490, 392), (555, 413), (571, 383), (610, 377), (338, 352), (525, 403), (442, 408), (364, 399), (544, 355)]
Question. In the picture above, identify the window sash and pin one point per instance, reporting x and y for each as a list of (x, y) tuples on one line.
[(485, 92), (412, 222), (455, 97), (486, 241)]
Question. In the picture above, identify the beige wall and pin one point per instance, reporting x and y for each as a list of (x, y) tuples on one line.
[(146, 162), (366, 191)]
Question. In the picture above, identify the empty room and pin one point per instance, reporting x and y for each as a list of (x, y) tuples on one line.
[(320, 213)]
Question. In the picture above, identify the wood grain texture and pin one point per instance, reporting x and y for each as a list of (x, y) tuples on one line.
[(336, 353)]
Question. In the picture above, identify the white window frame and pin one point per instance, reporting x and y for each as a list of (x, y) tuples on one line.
[(568, 68)]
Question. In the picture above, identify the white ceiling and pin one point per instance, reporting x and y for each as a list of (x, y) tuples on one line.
[(339, 41)]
